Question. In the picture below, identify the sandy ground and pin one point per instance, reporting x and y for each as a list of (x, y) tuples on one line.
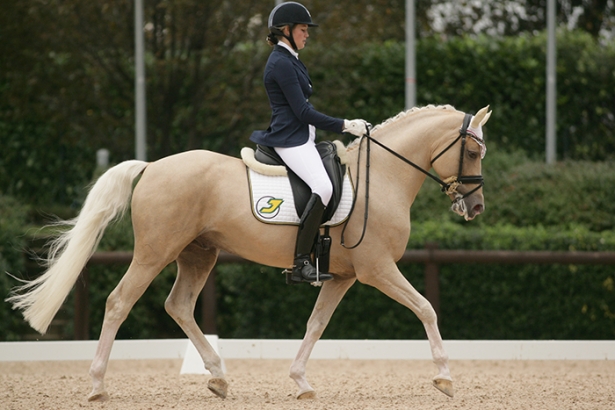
[(340, 384)]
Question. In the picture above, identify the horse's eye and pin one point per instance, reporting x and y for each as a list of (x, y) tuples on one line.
[(473, 154)]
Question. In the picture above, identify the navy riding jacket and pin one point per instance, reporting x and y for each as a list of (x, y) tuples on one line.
[(288, 87)]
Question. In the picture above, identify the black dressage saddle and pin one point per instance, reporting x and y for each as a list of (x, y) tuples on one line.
[(301, 192)]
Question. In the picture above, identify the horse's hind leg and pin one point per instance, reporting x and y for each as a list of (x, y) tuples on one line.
[(329, 298), (194, 265), (119, 303), (392, 283)]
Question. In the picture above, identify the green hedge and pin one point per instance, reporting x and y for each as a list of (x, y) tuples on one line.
[(528, 193), (524, 301), (12, 260)]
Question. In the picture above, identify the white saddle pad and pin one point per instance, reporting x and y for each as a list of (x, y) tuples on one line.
[(273, 202)]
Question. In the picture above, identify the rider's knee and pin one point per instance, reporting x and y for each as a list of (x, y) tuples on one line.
[(324, 189)]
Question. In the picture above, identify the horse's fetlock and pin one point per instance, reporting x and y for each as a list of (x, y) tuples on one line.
[(214, 367), (296, 376), (296, 373), (441, 360)]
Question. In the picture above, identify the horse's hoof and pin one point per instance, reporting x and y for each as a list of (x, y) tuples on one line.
[(445, 386), (218, 386), (306, 395), (99, 397)]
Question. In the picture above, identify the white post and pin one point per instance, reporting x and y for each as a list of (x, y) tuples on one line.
[(551, 141), (410, 56), (102, 158), (140, 107)]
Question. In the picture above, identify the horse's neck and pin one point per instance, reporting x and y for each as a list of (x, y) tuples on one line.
[(415, 136), (418, 135)]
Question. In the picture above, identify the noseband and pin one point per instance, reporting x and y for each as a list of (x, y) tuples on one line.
[(449, 186)]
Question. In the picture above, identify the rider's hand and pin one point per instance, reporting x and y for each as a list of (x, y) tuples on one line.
[(356, 127)]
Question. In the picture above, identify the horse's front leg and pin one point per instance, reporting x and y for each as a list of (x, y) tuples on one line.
[(390, 281), (329, 297), (443, 381)]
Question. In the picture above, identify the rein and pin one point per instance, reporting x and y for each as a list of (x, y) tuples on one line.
[(449, 186)]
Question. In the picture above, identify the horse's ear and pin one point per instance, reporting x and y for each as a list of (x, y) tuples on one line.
[(487, 116), (481, 117)]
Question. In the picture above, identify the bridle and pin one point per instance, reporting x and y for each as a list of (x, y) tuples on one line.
[(449, 185)]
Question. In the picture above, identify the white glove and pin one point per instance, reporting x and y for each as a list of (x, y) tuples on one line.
[(356, 127)]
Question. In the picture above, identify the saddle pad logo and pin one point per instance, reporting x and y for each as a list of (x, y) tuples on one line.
[(268, 207), (272, 201)]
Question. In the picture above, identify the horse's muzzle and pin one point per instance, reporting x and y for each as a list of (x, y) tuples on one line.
[(468, 207)]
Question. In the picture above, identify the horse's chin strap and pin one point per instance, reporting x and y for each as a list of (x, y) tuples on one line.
[(449, 185)]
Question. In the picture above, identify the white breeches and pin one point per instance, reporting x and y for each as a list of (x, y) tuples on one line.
[(305, 161)]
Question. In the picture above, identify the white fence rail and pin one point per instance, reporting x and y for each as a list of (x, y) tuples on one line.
[(324, 349)]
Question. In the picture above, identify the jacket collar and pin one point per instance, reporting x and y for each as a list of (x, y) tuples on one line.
[(286, 50)]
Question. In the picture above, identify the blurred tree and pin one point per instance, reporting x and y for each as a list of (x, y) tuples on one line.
[(39, 80), (592, 14), (369, 20), (511, 17), (198, 84), (67, 85)]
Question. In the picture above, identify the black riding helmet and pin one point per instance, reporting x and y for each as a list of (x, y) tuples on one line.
[(289, 13)]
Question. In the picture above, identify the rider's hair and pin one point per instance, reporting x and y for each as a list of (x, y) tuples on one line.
[(272, 38)]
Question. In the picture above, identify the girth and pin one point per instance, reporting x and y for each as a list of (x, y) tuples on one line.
[(301, 191)]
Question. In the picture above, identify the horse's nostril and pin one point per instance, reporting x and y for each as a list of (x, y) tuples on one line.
[(478, 209)]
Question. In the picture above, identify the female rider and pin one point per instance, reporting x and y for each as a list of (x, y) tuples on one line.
[(294, 120)]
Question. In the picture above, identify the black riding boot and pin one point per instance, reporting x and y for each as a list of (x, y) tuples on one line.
[(309, 225)]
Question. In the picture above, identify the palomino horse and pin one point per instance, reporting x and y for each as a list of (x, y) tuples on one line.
[(190, 206)]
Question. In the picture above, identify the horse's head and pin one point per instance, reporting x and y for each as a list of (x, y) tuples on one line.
[(459, 165)]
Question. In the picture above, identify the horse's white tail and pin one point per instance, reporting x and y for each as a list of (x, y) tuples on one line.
[(68, 254)]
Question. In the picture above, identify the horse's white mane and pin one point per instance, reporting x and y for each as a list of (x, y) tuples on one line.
[(402, 115), (411, 111)]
